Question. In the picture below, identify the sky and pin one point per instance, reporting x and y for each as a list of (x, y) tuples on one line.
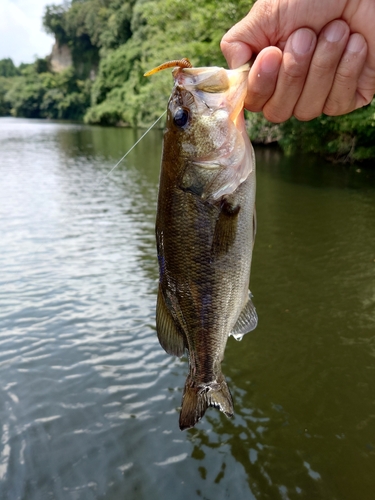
[(21, 31)]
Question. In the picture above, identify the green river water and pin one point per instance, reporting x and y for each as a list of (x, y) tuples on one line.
[(89, 401)]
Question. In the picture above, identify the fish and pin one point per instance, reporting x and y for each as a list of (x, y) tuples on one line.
[(205, 229)]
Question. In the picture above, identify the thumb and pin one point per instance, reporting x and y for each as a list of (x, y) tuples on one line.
[(246, 38), (236, 53)]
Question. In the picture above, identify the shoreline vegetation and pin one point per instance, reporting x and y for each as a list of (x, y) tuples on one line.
[(103, 48)]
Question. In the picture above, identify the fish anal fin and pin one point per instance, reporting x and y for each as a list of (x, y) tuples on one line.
[(170, 337), (247, 320), (196, 400)]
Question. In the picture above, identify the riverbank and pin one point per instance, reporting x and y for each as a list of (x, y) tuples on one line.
[(108, 49)]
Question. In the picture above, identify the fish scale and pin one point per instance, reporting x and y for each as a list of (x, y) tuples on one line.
[(205, 231)]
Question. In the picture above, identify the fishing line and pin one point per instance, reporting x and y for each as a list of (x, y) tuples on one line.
[(118, 163), (134, 145)]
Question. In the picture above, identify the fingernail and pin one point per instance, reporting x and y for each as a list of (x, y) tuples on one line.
[(302, 41), (356, 43), (270, 63), (335, 31)]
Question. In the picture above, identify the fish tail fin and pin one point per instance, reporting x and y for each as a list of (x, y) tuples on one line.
[(196, 400)]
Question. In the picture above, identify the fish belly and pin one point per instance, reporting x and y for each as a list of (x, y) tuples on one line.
[(204, 252)]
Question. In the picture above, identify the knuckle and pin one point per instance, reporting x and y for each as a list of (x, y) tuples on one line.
[(340, 100), (255, 101), (276, 115), (344, 74), (259, 90), (308, 108), (365, 99), (335, 107), (254, 105), (322, 66), (296, 66), (294, 72), (331, 111), (305, 115)]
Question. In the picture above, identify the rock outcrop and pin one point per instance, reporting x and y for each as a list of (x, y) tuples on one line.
[(60, 58)]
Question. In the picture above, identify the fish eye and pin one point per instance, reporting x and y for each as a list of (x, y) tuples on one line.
[(181, 117)]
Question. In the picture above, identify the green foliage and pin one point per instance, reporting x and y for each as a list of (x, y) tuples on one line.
[(26, 94), (69, 23), (90, 25), (53, 22), (116, 28), (47, 95), (7, 68), (41, 65), (129, 37), (5, 85), (119, 40), (260, 130), (115, 92), (345, 138), (161, 30)]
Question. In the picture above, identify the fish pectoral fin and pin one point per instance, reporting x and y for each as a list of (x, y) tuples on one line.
[(226, 228), (170, 337), (247, 320)]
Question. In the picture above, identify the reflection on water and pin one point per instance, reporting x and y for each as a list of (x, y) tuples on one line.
[(89, 401)]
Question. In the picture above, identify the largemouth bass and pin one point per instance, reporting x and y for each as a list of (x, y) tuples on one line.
[(205, 228)]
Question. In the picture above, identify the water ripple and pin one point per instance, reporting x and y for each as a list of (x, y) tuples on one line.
[(89, 401)]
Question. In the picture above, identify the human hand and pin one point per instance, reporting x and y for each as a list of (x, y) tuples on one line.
[(314, 56)]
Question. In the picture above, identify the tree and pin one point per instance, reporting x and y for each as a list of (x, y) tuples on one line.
[(7, 68)]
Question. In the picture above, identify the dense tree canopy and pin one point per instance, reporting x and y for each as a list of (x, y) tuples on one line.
[(160, 30), (7, 68), (113, 43)]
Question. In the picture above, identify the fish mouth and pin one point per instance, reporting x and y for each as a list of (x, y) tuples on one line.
[(216, 87), (211, 80)]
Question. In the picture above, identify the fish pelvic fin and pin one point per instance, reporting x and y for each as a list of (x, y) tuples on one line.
[(196, 400)]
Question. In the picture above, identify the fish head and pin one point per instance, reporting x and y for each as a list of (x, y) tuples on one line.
[(205, 130)]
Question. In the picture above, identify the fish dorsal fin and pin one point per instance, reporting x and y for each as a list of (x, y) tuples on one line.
[(170, 337), (247, 320)]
